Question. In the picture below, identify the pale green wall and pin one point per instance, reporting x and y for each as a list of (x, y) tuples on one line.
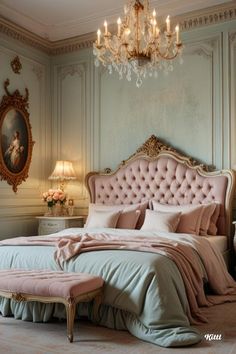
[(18, 211), (104, 120), (97, 120)]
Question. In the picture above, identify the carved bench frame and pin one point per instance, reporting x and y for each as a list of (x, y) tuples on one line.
[(70, 304)]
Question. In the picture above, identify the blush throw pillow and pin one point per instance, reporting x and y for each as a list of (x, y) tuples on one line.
[(212, 229), (208, 210), (128, 219), (190, 219), (160, 221), (103, 218)]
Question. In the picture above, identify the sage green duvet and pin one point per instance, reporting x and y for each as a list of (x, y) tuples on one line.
[(144, 292)]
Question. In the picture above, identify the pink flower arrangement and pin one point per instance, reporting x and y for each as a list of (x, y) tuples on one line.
[(54, 196)]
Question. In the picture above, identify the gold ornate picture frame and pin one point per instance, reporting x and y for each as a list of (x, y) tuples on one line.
[(16, 142)]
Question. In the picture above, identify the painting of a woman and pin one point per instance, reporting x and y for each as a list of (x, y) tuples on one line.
[(14, 153), (14, 141)]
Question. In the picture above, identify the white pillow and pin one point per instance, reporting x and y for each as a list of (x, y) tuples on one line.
[(103, 218), (190, 219), (160, 221)]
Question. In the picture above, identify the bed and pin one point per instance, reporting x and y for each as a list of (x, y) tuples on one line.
[(148, 290)]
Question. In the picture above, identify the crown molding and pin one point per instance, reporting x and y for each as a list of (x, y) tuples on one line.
[(201, 18), (19, 33), (208, 16)]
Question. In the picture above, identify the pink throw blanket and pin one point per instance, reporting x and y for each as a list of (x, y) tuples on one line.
[(182, 252)]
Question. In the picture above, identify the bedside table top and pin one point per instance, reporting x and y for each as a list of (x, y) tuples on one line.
[(61, 217)]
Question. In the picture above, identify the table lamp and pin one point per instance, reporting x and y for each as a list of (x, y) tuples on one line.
[(63, 172)]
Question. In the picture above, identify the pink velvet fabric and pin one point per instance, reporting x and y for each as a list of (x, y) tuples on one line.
[(48, 283), (163, 179)]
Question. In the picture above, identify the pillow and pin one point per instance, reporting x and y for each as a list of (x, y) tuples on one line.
[(190, 219), (142, 207), (208, 210), (103, 218), (161, 221), (212, 229), (128, 217)]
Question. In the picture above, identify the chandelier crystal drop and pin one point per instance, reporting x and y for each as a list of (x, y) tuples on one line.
[(139, 46)]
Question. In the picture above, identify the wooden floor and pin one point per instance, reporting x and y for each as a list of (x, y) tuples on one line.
[(20, 337)]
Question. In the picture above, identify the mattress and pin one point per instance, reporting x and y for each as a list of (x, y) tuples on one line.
[(221, 242)]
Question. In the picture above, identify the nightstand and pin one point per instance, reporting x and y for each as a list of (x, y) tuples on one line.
[(51, 224)]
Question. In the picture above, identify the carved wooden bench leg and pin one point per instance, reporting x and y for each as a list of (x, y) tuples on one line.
[(96, 305), (70, 312)]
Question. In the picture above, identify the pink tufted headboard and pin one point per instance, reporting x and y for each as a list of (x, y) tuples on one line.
[(158, 172)]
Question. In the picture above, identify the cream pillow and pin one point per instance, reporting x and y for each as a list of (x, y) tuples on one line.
[(160, 221), (190, 219), (103, 218)]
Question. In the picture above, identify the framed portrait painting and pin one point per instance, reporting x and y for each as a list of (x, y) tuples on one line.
[(15, 138)]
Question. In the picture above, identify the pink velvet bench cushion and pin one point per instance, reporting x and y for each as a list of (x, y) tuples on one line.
[(48, 283)]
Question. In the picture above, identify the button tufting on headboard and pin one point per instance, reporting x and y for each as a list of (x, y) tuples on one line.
[(166, 176)]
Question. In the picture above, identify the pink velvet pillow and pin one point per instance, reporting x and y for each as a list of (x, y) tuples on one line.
[(190, 219), (161, 221), (128, 219), (103, 218), (208, 210), (212, 229), (142, 207), (129, 215)]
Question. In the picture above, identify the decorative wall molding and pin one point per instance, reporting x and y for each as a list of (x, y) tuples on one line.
[(61, 73), (38, 71), (71, 70), (72, 44), (232, 37), (210, 49), (16, 32), (16, 65), (196, 19), (33, 76), (204, 51), (210, 16), (232, 92)]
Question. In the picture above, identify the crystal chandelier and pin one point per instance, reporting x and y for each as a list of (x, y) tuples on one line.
[(139, 46)]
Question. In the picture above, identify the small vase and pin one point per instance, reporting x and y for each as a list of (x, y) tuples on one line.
[(49, 211), (57, 210)]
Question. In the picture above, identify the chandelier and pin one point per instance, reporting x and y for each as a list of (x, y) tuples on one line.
[(139, 46)]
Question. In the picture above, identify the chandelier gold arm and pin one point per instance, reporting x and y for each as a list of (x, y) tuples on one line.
[(140, 46)]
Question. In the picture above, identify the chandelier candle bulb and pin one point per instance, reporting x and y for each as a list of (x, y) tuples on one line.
[(177, 34), (105, 25), (99, 36), (119, 26), (168, 24), (127, 33), (154, 14), (154, 23)]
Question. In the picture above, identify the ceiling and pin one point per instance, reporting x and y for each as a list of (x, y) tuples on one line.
[(60, 19)]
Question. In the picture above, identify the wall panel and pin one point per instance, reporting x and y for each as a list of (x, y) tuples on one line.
[(179, 107), (15, 209), (70, 115)]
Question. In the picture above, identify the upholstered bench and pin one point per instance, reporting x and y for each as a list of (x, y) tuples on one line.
[(52, 287)]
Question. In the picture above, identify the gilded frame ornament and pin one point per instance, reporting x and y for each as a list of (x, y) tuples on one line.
[(16, 144)]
